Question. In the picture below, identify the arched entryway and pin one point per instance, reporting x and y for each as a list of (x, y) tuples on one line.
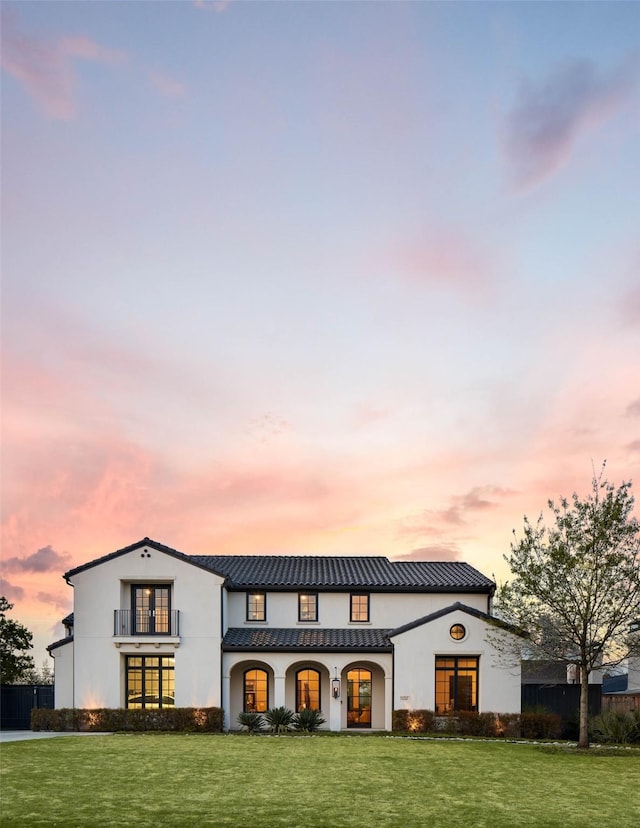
[(359, 697)]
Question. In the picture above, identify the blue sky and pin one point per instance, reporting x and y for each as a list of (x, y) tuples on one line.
[(342, 278)]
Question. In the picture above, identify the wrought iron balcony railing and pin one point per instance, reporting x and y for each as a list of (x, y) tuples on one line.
[(146, 622)]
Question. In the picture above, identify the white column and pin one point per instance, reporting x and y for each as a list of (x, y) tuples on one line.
[(278, 691), (388, 706), (226, 700)]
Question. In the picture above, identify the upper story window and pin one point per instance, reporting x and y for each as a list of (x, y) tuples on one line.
[(256, 606), (359, 606), (151, 609), (307, 606)]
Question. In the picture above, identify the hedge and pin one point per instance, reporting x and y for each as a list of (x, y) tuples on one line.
[(181, 719), (465, 723)]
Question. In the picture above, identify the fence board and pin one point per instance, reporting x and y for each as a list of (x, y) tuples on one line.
[(18, 700)]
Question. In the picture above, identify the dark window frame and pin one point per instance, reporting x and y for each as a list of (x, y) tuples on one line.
[(457, 690), (261, 593), (458, 632), (308, 670), (352, 614), (144, 668), (246, 693), (301, 596), (359, 679), (150, 628)]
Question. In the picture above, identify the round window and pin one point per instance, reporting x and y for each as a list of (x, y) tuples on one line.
[(457, 632)]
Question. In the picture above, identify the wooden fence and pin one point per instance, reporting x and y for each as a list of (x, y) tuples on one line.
[(621, 702)]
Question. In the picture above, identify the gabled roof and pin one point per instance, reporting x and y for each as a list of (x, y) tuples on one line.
[(332, 572), (314, 640), (426, 619), (284, 572), (145, 542)]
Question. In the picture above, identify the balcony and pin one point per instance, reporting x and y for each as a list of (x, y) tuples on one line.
[(157, 623)]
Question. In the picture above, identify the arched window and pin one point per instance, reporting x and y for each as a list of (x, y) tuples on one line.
[(307, 690), (256, 695)]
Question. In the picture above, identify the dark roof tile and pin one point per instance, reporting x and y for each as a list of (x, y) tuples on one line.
[(323, 571), (317, 639)]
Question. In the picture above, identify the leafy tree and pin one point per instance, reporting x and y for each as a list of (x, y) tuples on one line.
[(34, 676), (15, 640), (576, 585)]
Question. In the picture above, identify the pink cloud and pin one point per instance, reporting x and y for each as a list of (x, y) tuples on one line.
[(10, 591), (633, 409), (447, 258), (61, 601), (550, 116), (46, 68), (365, 414), (44, 560), (217, 6), (167, 86), (446, 551)]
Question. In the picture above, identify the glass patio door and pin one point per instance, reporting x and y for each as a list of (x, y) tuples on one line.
[(151, 605), (359, 698)]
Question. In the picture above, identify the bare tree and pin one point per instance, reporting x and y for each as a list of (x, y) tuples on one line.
[(576, 583)]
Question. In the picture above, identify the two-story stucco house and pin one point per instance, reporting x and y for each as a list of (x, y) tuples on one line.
[(355, 637)]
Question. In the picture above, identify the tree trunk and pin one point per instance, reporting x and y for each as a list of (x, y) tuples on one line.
[(583, 741)]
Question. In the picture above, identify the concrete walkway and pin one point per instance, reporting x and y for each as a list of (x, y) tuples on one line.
[(23, 735)]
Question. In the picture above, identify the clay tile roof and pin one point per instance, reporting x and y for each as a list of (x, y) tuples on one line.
[(316, 639)]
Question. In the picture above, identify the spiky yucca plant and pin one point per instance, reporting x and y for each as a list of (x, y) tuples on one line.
[(279, 719), (308, 720), (253, 722)]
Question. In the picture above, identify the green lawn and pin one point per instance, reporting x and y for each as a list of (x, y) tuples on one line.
[(193, 780)]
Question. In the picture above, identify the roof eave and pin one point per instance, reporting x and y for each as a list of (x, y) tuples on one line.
[(241, 648)]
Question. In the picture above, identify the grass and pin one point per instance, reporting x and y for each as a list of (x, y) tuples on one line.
[(197, 780)]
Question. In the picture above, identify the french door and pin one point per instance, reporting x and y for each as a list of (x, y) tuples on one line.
[(151, 605), (359, 698)]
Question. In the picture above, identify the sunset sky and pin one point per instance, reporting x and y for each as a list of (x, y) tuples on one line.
[(311, 277)]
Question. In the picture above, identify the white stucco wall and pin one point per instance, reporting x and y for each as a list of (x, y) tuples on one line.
[(281, 669), (414, 664), (63, 675), (633, 683), (387, 610), (99, 679)]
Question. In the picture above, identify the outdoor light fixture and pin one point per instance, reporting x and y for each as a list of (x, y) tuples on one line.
[(335, 685)]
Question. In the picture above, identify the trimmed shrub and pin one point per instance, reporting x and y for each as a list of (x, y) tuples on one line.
[(400, 720), (476, 724), (308, 720), (508, 725), (253, 722), (279, 719), (178, 719), (540, 725), (414, 721)]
